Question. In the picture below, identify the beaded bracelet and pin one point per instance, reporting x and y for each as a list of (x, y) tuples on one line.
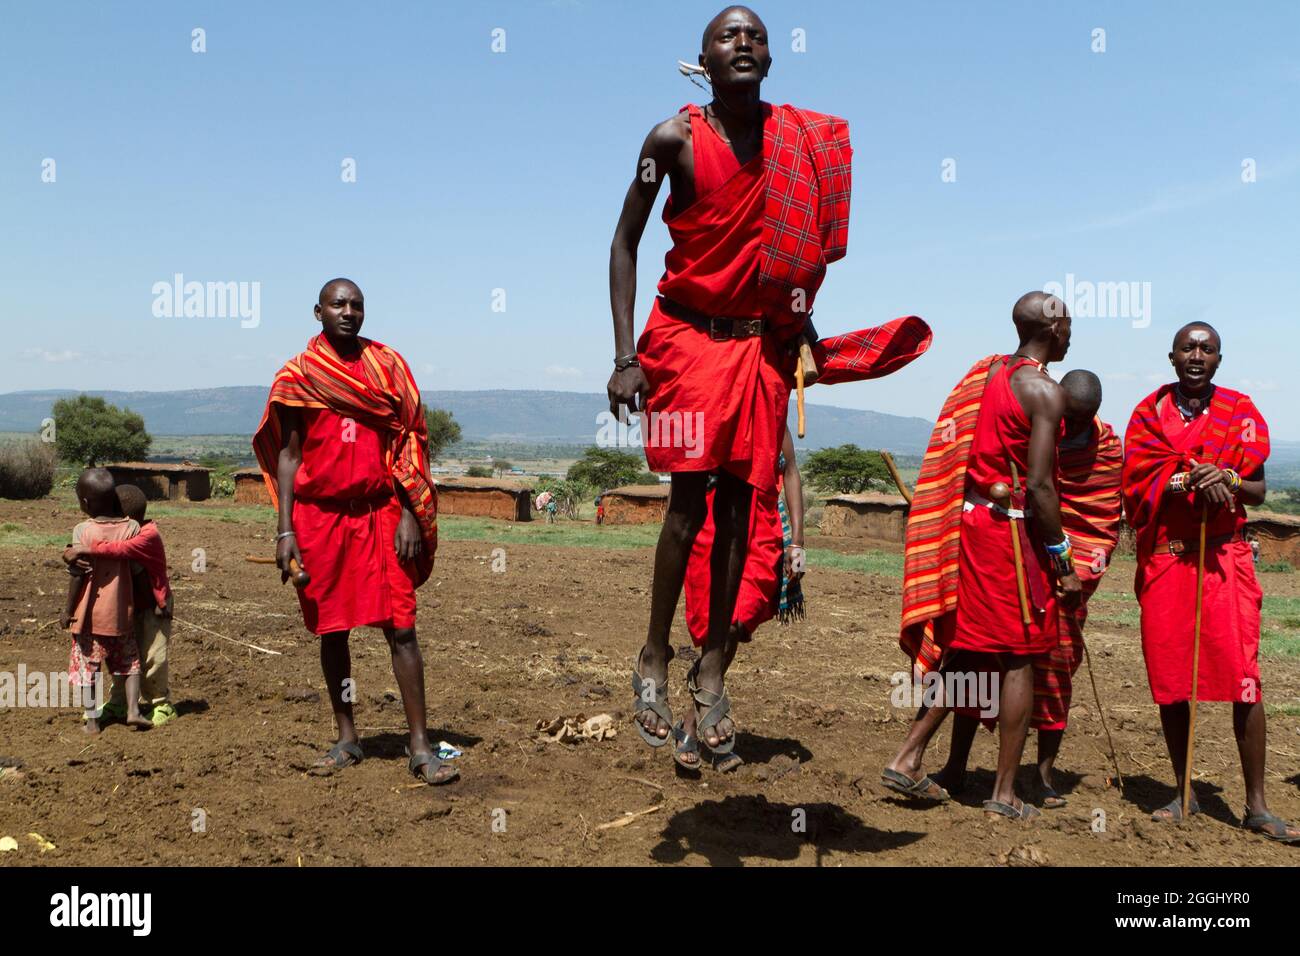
[(1234, 480)]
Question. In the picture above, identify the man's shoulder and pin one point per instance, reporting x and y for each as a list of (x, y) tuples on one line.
[(672, 132)]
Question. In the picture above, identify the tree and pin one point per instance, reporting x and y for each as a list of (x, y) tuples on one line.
[(605, 468), (88, 430), (502, 466), (478, 471), (444, 431), (647, 478), (845, 469), (569, 494)]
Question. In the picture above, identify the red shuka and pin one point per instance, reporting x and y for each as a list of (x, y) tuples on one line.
[(760, 584), (364, 432), (1231, 433), (988, 618), (714, 405)]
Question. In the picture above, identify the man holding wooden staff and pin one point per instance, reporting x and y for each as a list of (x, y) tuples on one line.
[(1194, 457), (984, 570)]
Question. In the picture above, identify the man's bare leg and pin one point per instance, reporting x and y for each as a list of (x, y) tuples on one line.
[(682, 523), (1013, 725), (911, 755), (1049, 745), (336, 665), (1248, 725), (953, 775), (731, 504), (1174, 720), (133, 718), (408, 668)]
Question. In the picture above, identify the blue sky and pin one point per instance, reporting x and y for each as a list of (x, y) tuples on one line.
[(478, 171)]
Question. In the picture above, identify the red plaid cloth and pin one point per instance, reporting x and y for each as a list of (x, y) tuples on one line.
[(807, 162), (871, 353)]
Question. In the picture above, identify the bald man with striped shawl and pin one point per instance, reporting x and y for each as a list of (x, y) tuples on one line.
[(1089, 459)]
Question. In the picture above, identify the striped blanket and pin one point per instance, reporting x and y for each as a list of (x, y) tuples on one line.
[(934, 520), (1236, 437), (1089, 479), (1090, 503), (387, 401)]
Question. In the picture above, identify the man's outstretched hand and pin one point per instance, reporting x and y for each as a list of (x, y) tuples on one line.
[(627, 387)]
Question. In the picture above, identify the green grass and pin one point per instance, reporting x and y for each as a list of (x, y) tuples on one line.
[(1275, 643), (230, 514), (564, 534), (14, 536), (870, 562), (1282, 710)]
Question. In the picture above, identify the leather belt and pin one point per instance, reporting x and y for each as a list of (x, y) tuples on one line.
[(1178, 546), (976, 500), (719, 327)]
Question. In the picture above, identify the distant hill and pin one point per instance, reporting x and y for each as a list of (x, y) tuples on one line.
[(515, 416)]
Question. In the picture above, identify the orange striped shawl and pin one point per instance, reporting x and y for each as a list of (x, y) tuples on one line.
[(934, 520), (1090, 499), (388, 401)]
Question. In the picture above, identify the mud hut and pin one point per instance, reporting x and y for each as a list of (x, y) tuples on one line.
[(1278, 536), (164, 482), (635, 504), (484, 498), (873, 516), (250, 488)]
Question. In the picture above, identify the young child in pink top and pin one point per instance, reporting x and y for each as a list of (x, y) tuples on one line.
[(99, 608)]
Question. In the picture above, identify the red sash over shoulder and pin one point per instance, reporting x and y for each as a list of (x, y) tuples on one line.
[(1090, 499), (1235, 436), (388, 401)]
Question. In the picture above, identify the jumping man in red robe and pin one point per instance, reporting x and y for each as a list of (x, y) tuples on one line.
[(343, 448), (1195, 449), (759, 205)]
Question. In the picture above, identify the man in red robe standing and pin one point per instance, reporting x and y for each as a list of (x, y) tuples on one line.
[(758, 206), (343, 448), (1194, 452), (964, 607)]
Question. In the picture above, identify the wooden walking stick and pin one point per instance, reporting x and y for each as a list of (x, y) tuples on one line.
[(893, 473), (1114, 759), (1196, 661), (297, 575), (1000, 494), (805, 373)]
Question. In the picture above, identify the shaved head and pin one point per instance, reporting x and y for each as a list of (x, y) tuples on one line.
[(1192, 326), (132, 500), (1035, 311), (714, 23), (1083, 387), (325, 289), (95, 492)]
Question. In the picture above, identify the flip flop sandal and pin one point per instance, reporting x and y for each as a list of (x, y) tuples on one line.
[(1175, 810), (426, 767), (1267, 825), (343, 753), (728, 762), (656, 702), (916, 789), (718, 708), (1049, 798), (1026, 812), (686, 744)]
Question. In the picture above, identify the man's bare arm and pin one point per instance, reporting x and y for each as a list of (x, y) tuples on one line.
[(657, 160), (286, 470), (1044, 403)]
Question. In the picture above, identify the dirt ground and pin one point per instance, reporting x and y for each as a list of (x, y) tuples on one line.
[(554, 635)]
